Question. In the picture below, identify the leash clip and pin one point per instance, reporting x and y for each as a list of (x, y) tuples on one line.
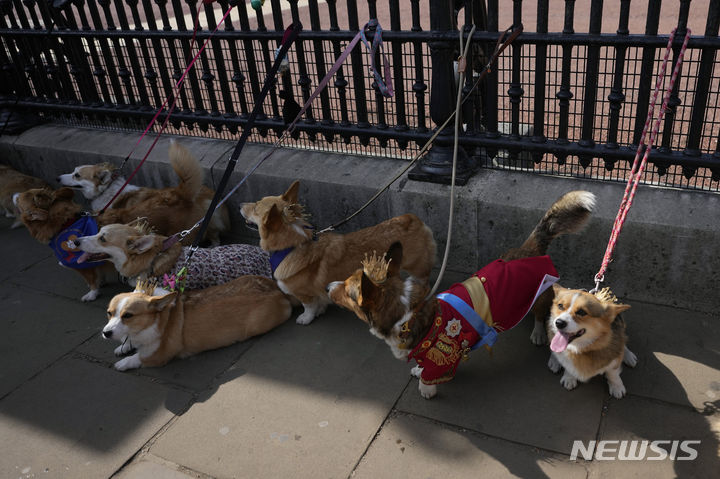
[(598, 279)]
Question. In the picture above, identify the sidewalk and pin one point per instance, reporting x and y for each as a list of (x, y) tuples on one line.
[(327, 400)]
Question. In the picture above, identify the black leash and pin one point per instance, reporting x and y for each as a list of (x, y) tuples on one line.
[(291, 34)]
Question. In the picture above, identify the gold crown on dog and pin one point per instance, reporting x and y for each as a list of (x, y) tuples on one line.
[(146, 286), (606, 296), (295, 211), (376, 267), (142, 226)]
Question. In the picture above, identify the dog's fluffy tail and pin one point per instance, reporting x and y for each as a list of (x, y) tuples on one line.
[(188, 169), (568, 214)]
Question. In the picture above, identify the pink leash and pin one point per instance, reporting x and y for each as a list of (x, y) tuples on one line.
[(637, 169), (172, 95)]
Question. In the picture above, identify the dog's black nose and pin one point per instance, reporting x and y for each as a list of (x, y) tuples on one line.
[(560, 323), (57, 179), (107, 334)]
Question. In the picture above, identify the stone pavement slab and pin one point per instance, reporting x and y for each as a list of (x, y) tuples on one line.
[(20, 250), (304, 401), (195, 373), (81, 420), (642, 419), (410, 446), (48, 276), (678, 355), (152, 467), (512, 394), (38, 329)]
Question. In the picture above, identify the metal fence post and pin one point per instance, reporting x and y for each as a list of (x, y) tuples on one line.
[(436, 166)]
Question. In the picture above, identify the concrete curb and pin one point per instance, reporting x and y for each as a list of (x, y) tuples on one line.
[(667, 253)]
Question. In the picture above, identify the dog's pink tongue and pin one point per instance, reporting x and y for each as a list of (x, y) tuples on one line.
[(559, 342), (83, 257)]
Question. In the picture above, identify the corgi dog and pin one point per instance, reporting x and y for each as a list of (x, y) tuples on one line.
[(48, 214), (588, 338), (162, 327), (438, 331), (304, 264), (140, 254), (11, 183), (99, 184)]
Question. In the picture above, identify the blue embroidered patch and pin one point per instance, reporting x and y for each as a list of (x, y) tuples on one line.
[(85, 226)]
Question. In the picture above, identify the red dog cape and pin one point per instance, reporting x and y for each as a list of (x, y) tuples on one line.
[(471, 313)]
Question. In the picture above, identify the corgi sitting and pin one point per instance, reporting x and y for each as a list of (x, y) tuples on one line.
[(588, 338), (162, 327), (303, 264), (439, 331), (99, 184), (138, 253)]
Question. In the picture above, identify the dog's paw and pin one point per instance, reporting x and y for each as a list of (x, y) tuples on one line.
[(130, 362), (305, 318), (568, 382), (617, 390), (416, 372), (538, 336), (427, 391), (629, 358), (124, 349), (90, 296), (554, 364)]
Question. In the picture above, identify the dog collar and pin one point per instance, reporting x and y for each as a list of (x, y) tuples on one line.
[(277, 257)]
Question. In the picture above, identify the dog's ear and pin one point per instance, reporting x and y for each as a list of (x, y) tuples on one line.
[(291, 195), (614, 309), (43, 199), (158, 303), (274, 219), (63, 193), (369, 292), (104, 176), (37, 214), (394, 255), (140, 244)]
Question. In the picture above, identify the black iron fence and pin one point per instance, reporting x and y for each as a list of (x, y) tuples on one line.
[(560, 101)]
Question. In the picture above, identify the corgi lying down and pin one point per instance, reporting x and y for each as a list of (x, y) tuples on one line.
[(163, 327)]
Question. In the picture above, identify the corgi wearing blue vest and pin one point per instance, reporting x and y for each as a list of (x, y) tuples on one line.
[(440, 331)]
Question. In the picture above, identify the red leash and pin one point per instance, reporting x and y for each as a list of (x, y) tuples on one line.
[(638, 165), (172, 95)]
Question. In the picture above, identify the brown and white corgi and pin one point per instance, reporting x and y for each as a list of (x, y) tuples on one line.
[(162, 327), (99, 183), (588, 338), (140, 254), (11, 183), (304, 264), (47, 213), (439, 331)]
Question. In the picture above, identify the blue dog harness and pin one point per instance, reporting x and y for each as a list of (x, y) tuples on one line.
[(85, 226)]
